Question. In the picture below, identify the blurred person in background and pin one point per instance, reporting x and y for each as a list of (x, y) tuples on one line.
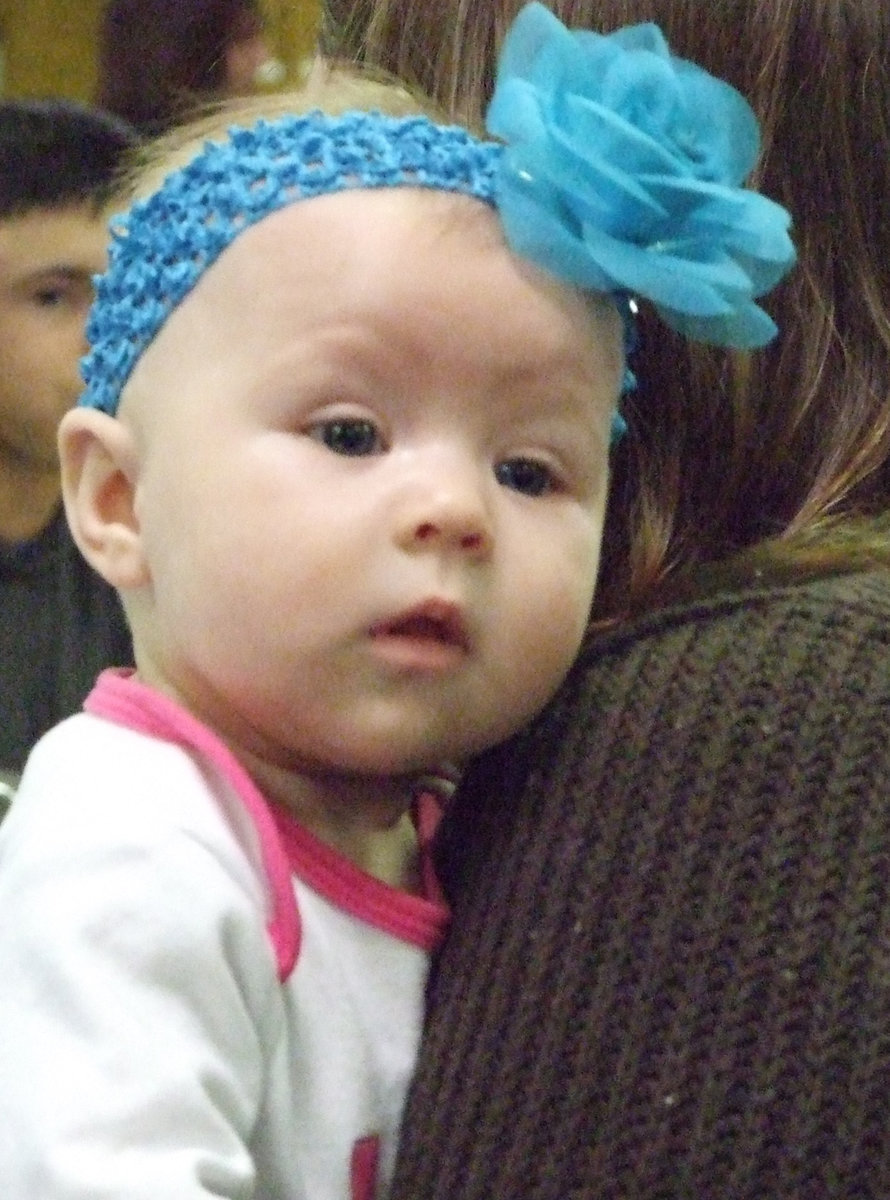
[(160, 59), (59, 622)]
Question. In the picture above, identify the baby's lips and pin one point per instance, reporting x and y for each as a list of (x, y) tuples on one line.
[(434, 620)]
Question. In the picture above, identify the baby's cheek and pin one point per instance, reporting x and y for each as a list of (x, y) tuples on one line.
[(569, 615), (556, 621)]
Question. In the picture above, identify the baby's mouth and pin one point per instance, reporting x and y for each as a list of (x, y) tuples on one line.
[(436, 621)]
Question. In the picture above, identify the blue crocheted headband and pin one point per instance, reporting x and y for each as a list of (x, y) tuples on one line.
[(618, 169), (166, 242)]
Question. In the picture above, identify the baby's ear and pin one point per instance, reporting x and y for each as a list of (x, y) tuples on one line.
[(99, 468)]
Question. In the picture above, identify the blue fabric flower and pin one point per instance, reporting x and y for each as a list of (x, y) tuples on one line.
[(622, 173)]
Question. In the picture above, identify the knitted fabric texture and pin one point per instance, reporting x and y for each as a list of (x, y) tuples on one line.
[(668, 975), (166, 243)]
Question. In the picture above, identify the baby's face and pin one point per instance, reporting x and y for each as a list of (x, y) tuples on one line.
[(372, 457)]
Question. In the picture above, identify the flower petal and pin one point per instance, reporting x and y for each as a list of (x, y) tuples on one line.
[(622, 173)]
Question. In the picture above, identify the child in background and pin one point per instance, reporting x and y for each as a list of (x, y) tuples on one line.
[(344, 445), (60, 623)]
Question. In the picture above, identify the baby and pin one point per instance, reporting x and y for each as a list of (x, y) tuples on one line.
[(343, 450)]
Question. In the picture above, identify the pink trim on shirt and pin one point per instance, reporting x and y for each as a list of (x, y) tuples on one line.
[(420, 920), (363, 1168), (118, 697), (286, 846)]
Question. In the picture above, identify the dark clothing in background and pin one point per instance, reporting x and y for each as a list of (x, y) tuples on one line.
[(668, 971), (60, 624)]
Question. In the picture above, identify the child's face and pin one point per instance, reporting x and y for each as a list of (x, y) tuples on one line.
[(47, 260), (370, 469)]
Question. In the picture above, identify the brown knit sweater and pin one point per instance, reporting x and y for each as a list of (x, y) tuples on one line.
[(669, 971)]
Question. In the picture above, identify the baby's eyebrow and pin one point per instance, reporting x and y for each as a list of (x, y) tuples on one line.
[(545, 365)]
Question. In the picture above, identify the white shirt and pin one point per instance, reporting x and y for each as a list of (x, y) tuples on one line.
[(197, 997)]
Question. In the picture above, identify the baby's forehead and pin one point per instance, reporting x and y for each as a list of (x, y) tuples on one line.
[(373, 283), (166, 242), (422, 215), (353, 250)]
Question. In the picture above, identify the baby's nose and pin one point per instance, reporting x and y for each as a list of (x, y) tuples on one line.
[(467, 535), (448, 510)]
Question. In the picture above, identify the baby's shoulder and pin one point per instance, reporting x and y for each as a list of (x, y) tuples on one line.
[(97, 792)]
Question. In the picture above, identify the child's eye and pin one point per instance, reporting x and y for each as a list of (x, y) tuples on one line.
[(525, 475), (49, 297), (62, 290), (352, 436)]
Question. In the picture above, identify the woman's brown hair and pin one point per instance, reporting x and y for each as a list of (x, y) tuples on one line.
[(728, 453)]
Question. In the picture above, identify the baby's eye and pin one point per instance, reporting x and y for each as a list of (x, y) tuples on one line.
[(352, 436), (525, 475)]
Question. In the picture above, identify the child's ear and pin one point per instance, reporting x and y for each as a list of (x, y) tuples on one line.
[(99, 467)]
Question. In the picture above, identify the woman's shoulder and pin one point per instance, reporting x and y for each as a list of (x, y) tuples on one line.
[(683, 864), (753, 644), (760, 689), (808, 659), (790, 611)]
